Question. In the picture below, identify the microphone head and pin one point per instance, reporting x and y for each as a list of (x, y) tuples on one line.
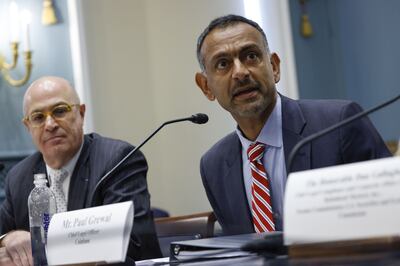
[(199, 118)]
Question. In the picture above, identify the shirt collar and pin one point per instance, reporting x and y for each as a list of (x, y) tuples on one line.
[(271, 133)]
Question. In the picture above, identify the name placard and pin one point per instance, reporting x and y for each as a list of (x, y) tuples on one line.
[(347, 202), (98, 234)]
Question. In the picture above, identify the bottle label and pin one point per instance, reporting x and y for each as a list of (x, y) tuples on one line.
[(46, 223)]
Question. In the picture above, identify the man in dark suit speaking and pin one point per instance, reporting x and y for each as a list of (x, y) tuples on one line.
[(244, 174), (54, 117)]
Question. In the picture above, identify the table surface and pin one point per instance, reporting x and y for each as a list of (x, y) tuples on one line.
[(381, 258)]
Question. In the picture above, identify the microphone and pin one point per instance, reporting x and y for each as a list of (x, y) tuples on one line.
[(199, 118), (196, 118), (1, 166), (321, 133), (272, 243)]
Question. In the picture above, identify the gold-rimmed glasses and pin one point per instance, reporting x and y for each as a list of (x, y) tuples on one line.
[(58, 112)]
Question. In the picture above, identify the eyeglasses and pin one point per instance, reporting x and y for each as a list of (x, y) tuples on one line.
[(59, 112)]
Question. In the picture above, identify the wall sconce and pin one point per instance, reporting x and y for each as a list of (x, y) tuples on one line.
[(15, 20), (305, 27)]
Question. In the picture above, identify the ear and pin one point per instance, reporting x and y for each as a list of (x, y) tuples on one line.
[(201, 81), (82, 110), (276, 69), (26, 123)]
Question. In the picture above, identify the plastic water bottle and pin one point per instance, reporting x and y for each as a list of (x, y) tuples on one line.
[(42, 206)]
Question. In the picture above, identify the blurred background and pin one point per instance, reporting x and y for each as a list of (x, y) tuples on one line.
[(133, 63)]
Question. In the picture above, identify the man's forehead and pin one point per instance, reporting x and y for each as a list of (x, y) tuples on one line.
[(240, 32), (46, 95)]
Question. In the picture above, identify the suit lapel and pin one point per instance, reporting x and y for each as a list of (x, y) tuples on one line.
[(40, 167), (293, 124), (233, 182), (77, 194)]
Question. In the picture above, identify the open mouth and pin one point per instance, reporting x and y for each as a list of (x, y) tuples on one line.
[(245, 93)]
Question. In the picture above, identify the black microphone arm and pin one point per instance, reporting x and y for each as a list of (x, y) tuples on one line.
[(321, 133), (197, 119)]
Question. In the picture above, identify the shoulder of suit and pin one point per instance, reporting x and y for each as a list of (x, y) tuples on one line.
[(311, 108), (324, 104), (98, 140), (222, 147), (108, 149), (318, 113), (25, 166)]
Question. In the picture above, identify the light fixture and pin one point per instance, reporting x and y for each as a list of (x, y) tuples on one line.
[(305, 28), (48, 14), (15, 20)]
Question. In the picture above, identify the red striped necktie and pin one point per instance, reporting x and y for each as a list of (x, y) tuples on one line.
[(261, 199)]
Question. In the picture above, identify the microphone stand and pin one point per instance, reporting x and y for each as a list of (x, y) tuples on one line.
[(198, 119)]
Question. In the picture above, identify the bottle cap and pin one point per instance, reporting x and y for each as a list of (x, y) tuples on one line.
[(39, 179)]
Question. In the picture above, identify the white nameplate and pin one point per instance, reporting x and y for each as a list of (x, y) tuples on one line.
[(98, 234), (347, 202)]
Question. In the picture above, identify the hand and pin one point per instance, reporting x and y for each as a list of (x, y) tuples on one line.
[(5, 259), (18, 247)]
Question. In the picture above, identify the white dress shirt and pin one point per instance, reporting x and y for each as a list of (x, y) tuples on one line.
[(70, 166)]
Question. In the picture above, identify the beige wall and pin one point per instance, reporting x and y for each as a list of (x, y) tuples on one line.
[(141, 61), (173, 27)]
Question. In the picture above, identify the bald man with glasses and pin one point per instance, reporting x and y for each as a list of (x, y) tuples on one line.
[(54, 118)]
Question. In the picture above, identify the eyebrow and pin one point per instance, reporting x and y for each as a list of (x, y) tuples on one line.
[(218, 55), (250, 46), (38, 110), (245, 47)]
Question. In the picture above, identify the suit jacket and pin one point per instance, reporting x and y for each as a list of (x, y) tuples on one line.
[(98, 156), (221, 166)]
